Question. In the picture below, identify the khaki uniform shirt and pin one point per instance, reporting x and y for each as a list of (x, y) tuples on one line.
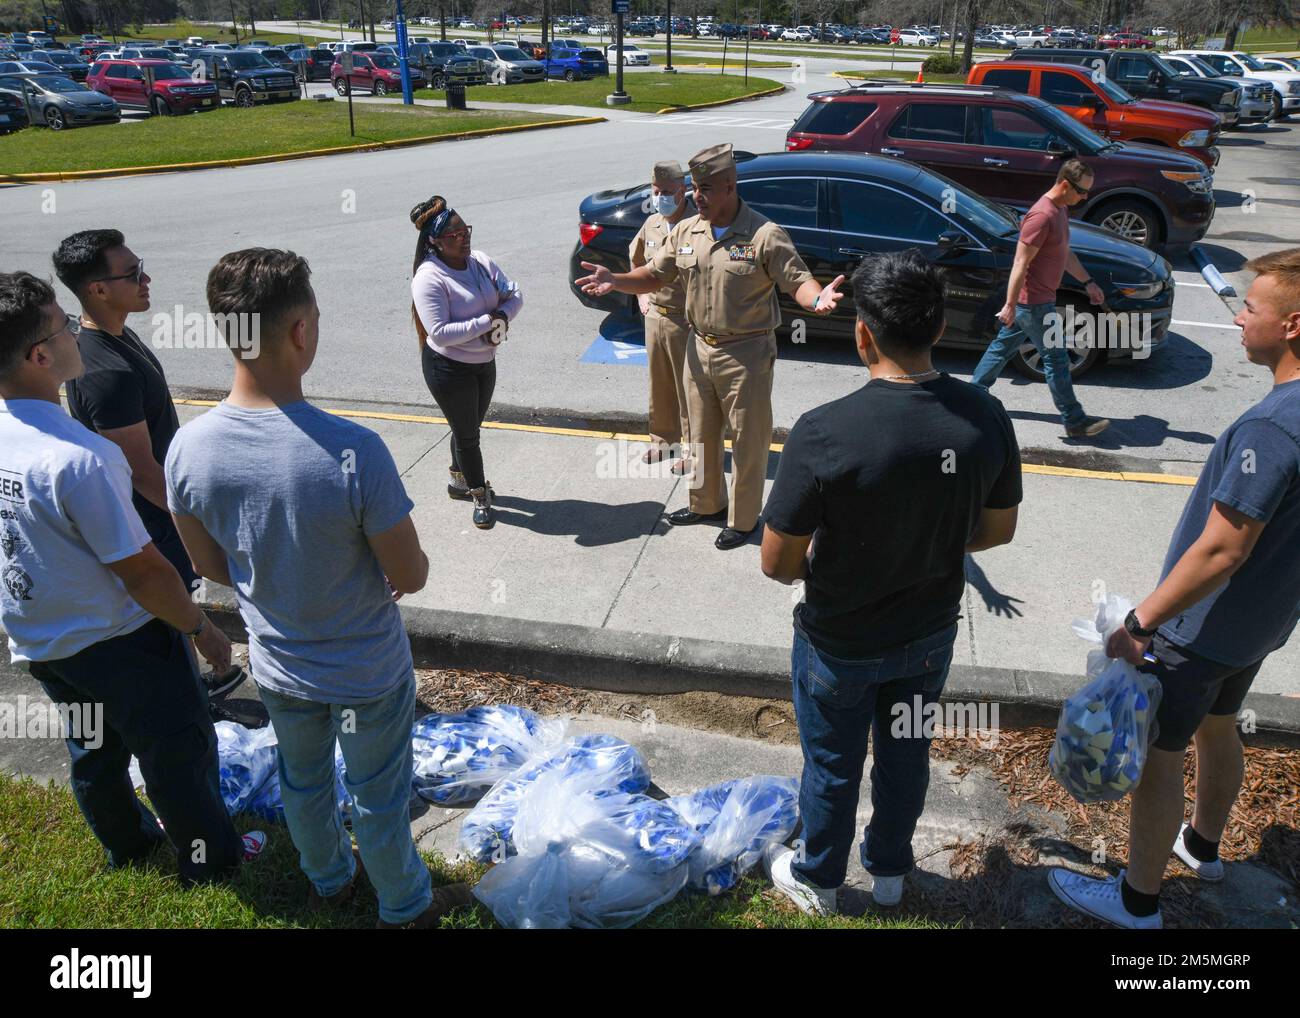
[(731, 282), (647, 243)]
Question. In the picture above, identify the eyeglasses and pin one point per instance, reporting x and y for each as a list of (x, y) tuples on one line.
[(462, 234), (70, 325), (1081, 192), (135, 275)]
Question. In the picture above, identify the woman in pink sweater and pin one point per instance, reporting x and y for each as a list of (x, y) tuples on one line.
[(462, 305)]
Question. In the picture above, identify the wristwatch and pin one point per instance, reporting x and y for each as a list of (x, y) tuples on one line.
[(1134, 627), (203, 624)]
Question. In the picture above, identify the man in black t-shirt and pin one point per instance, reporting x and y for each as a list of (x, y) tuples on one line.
[(878, 498), (123, 394)]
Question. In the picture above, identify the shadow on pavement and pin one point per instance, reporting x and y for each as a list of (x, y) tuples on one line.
[(1140, 432), (591, 524), (998, 603)]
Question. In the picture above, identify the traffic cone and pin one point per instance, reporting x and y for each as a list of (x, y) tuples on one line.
[(920, 78)]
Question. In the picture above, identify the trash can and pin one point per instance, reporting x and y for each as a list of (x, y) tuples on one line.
[(455, 96)]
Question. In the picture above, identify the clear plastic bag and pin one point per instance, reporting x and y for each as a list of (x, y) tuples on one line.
[(1105, 728), (458, 757), (587, 855), (486, 834), (736, 821)]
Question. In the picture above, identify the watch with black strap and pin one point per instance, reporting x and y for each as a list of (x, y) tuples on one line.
[(1134, 626), (203, 624)]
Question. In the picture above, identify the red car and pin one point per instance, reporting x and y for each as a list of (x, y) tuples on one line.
[(172, 89), (378, 72), (1125, 40)]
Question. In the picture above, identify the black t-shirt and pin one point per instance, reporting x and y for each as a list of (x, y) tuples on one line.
[(124, 384), (891, 479)]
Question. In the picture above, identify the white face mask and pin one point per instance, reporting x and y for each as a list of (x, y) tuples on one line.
[(665, 204)]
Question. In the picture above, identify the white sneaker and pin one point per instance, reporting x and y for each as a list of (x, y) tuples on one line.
[(254, 842), (814, 901), (1100, 899), (1205, 870), (887, 890)]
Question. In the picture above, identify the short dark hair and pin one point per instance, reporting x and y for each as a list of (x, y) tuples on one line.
[(899, 296), (260, 281), (1073, 170), (81, 259), (23, 300)]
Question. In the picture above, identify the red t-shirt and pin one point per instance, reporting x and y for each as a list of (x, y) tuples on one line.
[(1047, 227)]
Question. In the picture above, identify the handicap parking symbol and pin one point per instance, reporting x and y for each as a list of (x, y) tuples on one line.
[(620, 341)]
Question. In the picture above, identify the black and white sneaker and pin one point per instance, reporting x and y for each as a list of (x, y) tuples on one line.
[(220, 685)]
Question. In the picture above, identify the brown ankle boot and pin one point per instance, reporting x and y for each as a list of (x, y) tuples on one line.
[(444, 900)]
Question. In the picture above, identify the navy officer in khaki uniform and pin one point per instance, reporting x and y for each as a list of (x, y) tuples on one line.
[(731, 260), (665, 321)]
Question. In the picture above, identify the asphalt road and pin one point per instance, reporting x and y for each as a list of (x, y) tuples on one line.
[(348, 216)]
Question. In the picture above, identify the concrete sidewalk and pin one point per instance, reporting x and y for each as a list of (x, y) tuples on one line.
[(579, 541)]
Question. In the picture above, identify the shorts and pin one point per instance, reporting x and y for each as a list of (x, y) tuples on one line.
[(1193, 688)]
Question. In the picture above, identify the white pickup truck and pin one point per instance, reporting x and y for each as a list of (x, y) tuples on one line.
[(1031, 39), (1286, 84)]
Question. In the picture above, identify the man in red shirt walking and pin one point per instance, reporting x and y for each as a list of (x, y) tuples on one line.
[(1043, 256)]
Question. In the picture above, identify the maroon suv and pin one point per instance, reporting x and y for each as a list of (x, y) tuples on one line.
[(160, 86), (378, 73), (1008, 147)]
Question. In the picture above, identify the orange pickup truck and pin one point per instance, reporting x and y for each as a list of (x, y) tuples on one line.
[(1107, 109)]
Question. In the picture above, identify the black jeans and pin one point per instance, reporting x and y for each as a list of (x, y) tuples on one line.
[(153, 706), (463, 393)]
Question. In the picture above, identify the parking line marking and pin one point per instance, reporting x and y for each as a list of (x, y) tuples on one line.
[(1182, 480), (1204, 325)]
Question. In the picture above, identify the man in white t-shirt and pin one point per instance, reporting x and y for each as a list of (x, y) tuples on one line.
[(97, 612)]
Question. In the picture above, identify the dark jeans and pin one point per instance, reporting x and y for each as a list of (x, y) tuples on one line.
[(463, 393), (155, 708), (838, 704)]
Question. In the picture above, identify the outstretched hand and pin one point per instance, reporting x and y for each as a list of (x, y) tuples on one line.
[(599, 283), (830, 296)]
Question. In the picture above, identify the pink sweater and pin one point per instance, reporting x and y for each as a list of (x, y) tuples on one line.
[(455, 305)]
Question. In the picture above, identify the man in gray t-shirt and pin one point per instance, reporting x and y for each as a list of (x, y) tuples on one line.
[(305, 515)]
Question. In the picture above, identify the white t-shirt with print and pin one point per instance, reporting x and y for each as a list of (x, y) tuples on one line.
[(65, 513)]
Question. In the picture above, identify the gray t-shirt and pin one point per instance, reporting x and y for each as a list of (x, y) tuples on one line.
[(291, 494), (1255, 469)]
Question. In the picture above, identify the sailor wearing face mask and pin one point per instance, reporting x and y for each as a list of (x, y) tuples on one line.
[(665, 323)]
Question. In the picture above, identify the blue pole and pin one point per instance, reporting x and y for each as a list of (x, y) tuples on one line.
[(407, 98)]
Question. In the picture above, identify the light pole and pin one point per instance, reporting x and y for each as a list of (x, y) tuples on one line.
[(402, 62), (618, 97), (668, 67)]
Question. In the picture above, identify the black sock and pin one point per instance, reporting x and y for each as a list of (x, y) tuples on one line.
[(1137, 903), (1200, 848)]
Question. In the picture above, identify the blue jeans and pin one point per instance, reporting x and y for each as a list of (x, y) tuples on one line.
[(838, 704), (375, 737), (1056, 362)]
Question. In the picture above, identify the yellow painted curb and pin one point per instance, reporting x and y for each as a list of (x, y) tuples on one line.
[(544, 429), (370, 146), (720, 102)]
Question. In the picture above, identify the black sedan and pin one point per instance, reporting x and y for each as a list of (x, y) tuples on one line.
[(839, 207)]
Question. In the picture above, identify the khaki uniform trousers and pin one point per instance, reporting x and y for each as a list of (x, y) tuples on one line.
[(731, 389), (665, 347)]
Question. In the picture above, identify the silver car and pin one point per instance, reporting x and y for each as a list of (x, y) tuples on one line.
[(1256, 94), (58, 102), (513, 65)]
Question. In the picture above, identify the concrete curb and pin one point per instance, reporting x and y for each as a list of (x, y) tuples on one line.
[(373, 146), (720, 102), (628, 662)]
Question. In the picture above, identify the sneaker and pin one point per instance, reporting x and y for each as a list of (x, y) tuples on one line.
[(814, 901), (254, 843), (887, 891), (1100, 899), (219, 685), (1211, 871), (1090, 426), (444, 900)]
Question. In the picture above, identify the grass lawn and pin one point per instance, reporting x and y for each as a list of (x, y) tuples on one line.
[(231, 133), (1279, 38), (650, 91), (53, 874), (211, 33)]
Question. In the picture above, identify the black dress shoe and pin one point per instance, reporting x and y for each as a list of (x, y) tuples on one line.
[(731, 538), (685, 518)]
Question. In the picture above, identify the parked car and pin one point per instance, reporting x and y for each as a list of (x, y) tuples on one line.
[(633, 56), (1105, 108), (840, 207), (318, 64), (1256, 103), (13, 113), (246, 78), (1286, 84), (28, 67), (281, 59), (915, 37), (377, 73), (576, 64), (1031, 38), (138, 53), (68, 63), (1147, 76), (446, 63), (797, 35), (58, 102), (1008, 147), (1125, 40), (163, 87)]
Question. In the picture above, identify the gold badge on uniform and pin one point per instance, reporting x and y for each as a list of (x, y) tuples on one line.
[(741, 252)]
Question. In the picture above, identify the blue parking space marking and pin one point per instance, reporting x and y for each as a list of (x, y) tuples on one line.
[(621, 341)]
